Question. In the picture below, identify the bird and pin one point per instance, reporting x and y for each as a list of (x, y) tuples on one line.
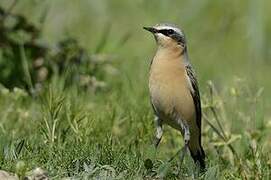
[(174, 90)]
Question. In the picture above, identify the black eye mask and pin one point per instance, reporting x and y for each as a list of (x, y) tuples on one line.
[(167, 32), (172, 34)]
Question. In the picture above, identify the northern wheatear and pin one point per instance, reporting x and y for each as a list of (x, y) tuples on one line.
[(174, 89)]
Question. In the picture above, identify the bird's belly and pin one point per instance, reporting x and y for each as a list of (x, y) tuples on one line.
[(172, 100)]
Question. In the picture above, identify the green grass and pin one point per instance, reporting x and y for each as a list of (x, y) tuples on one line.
[(108, 134)]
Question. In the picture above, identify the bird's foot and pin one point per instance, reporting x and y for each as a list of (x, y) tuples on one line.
[(183, 153)]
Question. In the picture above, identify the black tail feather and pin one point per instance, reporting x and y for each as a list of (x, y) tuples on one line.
[(199, 158)]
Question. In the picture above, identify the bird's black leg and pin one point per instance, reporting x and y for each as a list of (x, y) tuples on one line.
[(159, 131), (186, 134)]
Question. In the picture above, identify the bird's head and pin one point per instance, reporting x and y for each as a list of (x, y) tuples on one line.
[(168, 36)]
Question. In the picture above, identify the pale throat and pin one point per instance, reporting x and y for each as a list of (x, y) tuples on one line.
[(171, 52)]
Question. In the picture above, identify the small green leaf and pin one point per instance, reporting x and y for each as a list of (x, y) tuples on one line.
[(163, 170), (212, 173)]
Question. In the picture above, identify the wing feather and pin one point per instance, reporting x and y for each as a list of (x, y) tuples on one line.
[(195, 94)]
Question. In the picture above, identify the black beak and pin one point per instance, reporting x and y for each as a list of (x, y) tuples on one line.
[(151, 29)]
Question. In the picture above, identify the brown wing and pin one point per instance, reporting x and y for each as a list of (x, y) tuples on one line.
[(195, 94)]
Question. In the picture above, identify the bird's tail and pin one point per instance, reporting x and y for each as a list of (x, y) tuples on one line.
[(198, 156)]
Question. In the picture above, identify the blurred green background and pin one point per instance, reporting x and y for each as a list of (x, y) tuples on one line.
[(229, 44), (226, 38)]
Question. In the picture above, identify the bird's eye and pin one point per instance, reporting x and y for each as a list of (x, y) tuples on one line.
[(167, 32), (170, 31)]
